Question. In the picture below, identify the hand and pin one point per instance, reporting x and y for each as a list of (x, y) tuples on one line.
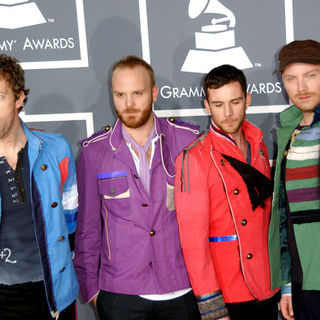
[(225, 318), (94, 301), (286, 306)]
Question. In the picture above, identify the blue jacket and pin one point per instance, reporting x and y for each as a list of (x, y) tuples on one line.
[(54, 201)]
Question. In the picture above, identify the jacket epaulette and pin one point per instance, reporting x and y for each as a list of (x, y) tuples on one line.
[(185, 157), (97, 136), (201, 136), (183, 125)]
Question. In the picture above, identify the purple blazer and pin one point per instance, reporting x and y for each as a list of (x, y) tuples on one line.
[(126, 240)]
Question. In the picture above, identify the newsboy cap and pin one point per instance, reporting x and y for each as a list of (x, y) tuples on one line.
[(307, 51)]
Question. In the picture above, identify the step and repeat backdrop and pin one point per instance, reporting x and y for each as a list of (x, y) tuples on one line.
[(68, 48)]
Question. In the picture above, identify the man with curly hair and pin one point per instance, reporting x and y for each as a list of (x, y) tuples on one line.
[(38, 211)]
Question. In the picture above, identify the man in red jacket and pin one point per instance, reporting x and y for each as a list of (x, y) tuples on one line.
[(223, 197)]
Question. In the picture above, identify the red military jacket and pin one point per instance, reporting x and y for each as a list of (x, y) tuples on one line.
[(213, 204)]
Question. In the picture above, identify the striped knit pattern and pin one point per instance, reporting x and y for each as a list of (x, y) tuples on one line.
[(302, 174), (212, 306)]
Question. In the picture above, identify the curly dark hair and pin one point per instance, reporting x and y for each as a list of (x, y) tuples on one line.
[(11, 71)]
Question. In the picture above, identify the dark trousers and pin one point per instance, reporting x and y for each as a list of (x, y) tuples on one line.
[(306, 303), (28, 301), (114, 306), (255, 310)]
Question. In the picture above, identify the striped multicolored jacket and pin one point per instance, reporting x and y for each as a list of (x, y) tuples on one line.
[(302, 175), (302, 187)]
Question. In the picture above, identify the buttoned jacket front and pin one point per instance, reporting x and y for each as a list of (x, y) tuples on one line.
[(54, 202), (127, 241), (215, 204)]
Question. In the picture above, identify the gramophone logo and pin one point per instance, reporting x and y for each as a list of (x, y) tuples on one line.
[(215, 44), (16, 14)]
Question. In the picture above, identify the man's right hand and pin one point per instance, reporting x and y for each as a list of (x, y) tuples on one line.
[(286, 306), (94, 301), (225, 318)]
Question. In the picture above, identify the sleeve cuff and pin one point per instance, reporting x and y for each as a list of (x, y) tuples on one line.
[(212, 306), (286, 289)]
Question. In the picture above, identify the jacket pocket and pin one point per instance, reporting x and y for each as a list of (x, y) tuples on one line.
[(114, 185), (115, 193)]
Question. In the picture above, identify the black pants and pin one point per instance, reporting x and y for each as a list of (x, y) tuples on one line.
[(28, 301), (306, 303), (114, 306), (255, 310)]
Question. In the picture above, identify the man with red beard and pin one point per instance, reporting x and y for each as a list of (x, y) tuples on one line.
[(223, 199), (294, 236), (128, 256)]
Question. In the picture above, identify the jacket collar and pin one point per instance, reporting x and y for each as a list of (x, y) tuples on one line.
[(252, 133), (116, 137), (34, 144), (292, 116), (162, 152), (31, 137)]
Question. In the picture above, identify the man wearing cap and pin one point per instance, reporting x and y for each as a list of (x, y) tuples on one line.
[(294, 234)]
